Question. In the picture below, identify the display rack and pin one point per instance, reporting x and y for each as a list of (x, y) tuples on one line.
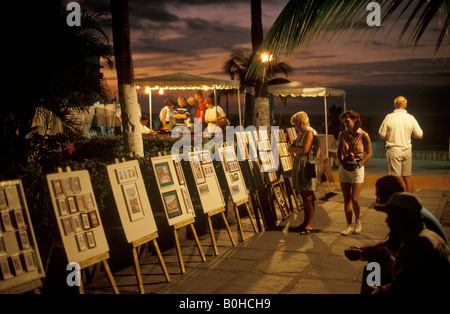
[(20, 262), (135, 212), (78, 220), (236, 184), (209, 191), (176, 200)]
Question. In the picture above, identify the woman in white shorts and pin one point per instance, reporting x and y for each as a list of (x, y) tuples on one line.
[(354, 150)]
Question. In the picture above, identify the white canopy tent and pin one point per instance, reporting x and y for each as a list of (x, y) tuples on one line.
[(182, 81), (298, 89)]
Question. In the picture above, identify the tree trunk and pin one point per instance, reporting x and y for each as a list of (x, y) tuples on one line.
[(132, 133)]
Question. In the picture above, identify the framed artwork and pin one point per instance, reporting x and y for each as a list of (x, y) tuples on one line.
[(90, 239), (95, 222), (17, 265), (89, 201), (76, 184), (203, 189), (135, 210), (3, 200), (187, 200), (6, 221), (4, 269), (23, 239), (163, 174), (72, 205), (126, 175), (179, 171), (208, 170), (233, 166), (80, 203), (263, 135), (2, 246), (58, 188), (81, 242), (172, 204), (205, 157), (67, 185), (85, 221), (77, 223), (20, 220), (62, 206), (235, 189), (234, 176), (67, 225), (28, 261), (197, 171)]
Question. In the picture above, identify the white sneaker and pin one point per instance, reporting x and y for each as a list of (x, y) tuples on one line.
[(347, 231), (358, 227)]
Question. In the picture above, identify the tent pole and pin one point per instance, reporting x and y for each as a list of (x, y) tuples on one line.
[(239, 106), (345, 105), (150, 106), (326, 124)]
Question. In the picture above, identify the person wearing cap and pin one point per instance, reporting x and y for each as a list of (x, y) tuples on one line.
[(397, 128), (422, 263)]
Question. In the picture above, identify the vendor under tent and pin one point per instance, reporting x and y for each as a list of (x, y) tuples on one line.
[(298, 89), (182, 81)]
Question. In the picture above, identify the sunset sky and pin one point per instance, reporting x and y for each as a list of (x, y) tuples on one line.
[(197, 36)]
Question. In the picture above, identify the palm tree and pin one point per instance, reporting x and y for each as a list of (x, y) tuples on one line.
[(302, 22), (237, 66), (132, 134)]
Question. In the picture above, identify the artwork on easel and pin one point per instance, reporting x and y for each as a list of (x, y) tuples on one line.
[(20, 262), (73, 212), (236, 184), (171, 182), (131, 199)]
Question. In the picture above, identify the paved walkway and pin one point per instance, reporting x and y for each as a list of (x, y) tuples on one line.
[(281, 261)]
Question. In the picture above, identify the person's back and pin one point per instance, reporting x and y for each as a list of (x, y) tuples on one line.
[(398, 128)]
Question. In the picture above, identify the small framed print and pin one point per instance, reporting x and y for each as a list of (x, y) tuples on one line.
[(67, 225), (208, 169), (76, 184), (133, 201), (203, 189), (24, 241), (234, 176), (6, 221), (3, 200), (90, 239), (179, 170), (233, 166), (235, 189), (81, 206), (89, 201), (172, 204), (187, 201), (67, 185), (93, 218), (77, 223), (2, 246), (163, 174), (126, 175), (62, 206), (28, 261), (58, 188), (206, 158), (197, 171), (85, 221), (20, 220), (17, 265), (5, 270), (81, 242), (72, 204)]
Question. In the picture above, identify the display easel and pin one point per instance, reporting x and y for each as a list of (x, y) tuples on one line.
[(209, 191), (21, 268), (236, 185), (78, 247), (138, 222), (171, 183)]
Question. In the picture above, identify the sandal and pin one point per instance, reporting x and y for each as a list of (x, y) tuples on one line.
[(306, 231)]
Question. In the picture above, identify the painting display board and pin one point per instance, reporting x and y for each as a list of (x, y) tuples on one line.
[(266, 157), (20, 263), (172, 187), (132, 200), (205, 177), (77, 215), (233, 174)]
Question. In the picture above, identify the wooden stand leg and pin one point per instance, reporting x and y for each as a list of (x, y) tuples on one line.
[(228, 229), (180, 256), (161, 261), (138, 271), (213, 239), (199, 246), (110, 277), (251, 218), (241, 232)]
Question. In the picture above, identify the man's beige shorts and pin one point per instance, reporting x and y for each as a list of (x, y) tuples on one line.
[(399, 161)]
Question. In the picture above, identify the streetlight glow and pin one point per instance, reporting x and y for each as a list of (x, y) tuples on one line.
[(265, 57)]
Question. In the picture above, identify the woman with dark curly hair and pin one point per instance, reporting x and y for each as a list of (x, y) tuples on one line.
[(354, 150)]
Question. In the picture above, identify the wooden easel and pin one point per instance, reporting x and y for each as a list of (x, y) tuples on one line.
[(137, 244), (93, 261), (236, 209), (211, 230), (285, 210), (189, 222)]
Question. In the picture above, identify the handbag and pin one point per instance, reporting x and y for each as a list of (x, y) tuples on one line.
[(350, 165), (222, 122)]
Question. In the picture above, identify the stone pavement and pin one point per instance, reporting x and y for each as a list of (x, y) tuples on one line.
[(281, 261)]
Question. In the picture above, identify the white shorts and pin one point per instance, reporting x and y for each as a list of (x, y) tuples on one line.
[(356, 176), (399, 162)]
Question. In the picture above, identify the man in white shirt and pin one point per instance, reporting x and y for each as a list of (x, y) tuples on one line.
[(397, 129)]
